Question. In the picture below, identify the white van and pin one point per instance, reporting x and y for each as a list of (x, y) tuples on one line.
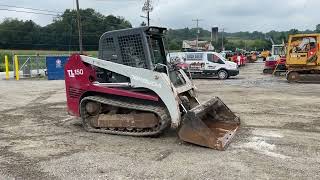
[(204, 63)]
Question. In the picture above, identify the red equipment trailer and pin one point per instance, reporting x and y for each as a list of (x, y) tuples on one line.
[(275, 65), (240, 59)]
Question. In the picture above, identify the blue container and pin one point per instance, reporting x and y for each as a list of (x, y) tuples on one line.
[(55, 67)]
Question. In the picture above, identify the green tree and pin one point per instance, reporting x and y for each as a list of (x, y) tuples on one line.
[(218, 44), (18, 34), (175, 45), (260, 45), (62, 34), (65, 32), (293, 31), (318, 28)]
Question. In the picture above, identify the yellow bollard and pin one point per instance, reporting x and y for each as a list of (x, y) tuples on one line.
[(16, 65), (6, 62)]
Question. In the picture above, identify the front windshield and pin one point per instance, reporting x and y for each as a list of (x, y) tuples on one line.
[(157, 50), (279, 50), (303, 44), (221, 57)]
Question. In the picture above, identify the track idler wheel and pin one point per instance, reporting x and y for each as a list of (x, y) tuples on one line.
[(93, 108), (267, 71), (293, 77)]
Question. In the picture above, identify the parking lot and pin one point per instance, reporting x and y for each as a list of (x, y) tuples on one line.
[(278, 139)]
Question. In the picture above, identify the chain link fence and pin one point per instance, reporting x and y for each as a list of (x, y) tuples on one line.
[(32, 65), (29, 66)]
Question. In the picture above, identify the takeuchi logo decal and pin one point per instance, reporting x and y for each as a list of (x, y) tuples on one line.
[(146, 81)]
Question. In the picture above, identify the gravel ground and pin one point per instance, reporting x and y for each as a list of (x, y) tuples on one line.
[(278, 139)]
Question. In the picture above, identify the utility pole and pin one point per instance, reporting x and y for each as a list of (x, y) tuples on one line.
[(79, 28), (222, 43), (148, 17), (198, 32), (147, 7)]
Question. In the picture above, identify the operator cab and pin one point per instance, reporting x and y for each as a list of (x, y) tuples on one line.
[(302, 50), (141, 47)]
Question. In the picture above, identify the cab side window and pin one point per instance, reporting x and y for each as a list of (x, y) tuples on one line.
[(303, 44), (215, 59)]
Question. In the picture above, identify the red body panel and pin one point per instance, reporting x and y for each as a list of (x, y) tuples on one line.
[(312, 52), (182, 65), (243, 60), (272, 64), (79, 78)]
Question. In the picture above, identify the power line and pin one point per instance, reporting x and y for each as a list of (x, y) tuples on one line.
[(51, 34), (28, 41), (47, 14), (35, 9), (108, 23), (55, 33), (50, 14), (46, 44)]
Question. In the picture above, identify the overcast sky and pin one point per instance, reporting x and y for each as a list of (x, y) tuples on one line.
[(233, 15)]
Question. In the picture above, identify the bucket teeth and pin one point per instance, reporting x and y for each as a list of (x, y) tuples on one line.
[(211, 124)]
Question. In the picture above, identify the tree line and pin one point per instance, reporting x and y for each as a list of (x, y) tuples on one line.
[(62, 34), (244, 40)]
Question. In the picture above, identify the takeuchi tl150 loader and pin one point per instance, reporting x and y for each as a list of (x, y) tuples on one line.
[(132, 90)]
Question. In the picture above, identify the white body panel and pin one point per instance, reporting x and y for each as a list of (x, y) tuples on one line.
[(192, 58), (144, 78)]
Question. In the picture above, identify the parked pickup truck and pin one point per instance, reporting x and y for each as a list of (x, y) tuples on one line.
[(204, 63)]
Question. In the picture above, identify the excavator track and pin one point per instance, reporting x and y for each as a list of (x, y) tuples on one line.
[(300, 77), (159, 111)]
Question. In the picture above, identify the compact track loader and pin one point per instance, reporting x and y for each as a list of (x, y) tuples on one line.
[(132, 90)]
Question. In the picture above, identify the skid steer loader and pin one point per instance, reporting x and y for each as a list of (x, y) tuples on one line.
[(132, 90)]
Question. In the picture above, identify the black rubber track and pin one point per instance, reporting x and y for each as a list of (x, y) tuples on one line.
[(160, 111)]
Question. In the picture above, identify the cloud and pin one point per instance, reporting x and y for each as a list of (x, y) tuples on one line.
[(233, 15)]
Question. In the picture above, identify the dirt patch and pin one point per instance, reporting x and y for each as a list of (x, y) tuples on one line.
[(278, 137)]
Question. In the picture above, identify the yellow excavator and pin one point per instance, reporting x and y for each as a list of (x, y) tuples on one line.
[(264, 54), (303, 60)]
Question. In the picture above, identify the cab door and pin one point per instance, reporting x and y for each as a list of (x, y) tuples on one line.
[(214, 62), (302, 50)]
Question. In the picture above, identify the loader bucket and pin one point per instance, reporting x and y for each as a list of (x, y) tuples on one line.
[(211, 124)]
